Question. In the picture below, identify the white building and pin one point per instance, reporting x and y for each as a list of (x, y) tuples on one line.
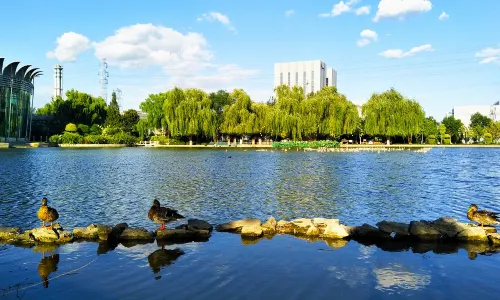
[(58, 75), (311, 75), (464, 113)]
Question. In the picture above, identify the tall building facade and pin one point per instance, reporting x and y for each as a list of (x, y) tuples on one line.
[(58, 77), (311, 75)]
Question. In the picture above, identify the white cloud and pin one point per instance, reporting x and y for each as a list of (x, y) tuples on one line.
[(217, 17), (289, 13), (363, 10), (146, 45), (489, 55), (343, 7), (399, 8), (443, 16), (69, 46), (398, 53), (367, 37), (363, 42)]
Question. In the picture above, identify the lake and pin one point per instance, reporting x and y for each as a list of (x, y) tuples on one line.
[(111, 186)]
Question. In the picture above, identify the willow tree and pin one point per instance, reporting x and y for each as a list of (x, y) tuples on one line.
[(262, 119), (175, 122), (390, 114), (153, 106), (238, 118), (336, 115), (287, 121)]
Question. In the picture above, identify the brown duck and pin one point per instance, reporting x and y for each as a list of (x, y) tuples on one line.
[(482, 217), (162, 215), (47, 214)]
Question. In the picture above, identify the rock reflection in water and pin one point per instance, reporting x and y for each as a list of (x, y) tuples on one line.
[(162, 258), (48, 264)]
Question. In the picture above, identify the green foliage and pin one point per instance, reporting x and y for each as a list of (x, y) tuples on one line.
[(390, 114), (453, 127), (305, 144), (70, 127), (95, 139), (56, 138), (130, 119), (122, 138), (163, 140), (83, 129), (447, 139), (71, 138), (488, 138), (431, 139), (95, 129), (153, 106), (142, 129), (478, 120), (113, 119), (108, 131), (442, 131)]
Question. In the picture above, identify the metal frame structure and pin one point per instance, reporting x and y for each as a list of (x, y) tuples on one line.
[(17, 87)]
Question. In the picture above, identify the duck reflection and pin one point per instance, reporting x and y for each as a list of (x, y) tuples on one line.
[(163, 258), (49, 262)]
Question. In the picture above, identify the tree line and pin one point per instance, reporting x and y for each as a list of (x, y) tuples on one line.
[(182, 115)]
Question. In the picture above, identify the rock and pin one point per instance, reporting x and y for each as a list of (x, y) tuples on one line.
[(313, 231), (195, 224), (115, 233), (322, 223), (368, 232), (235, 226), (92, 232), (494, 238), (182, 234), (284, 227), (7, 233), (269, 227), (400, 229), (423, 230), (44, 235), (448, 227), (251, 231), (473, 234), (136, 234), (335, 230), (300, 226)]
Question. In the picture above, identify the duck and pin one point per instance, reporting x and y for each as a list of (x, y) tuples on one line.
[(162, 215), (483, 217), (47, 214)]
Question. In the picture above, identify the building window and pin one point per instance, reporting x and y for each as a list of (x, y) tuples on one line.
[(297, 78), (312, 81), (288, 79), (326, 81), (281, 78), (305, 82)]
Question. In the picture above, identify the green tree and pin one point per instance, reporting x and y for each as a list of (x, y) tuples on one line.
[(430, 127), (113, 119), (219, 101), (453, 127), (70, 127), (442, 131), (130, 119), (478, 119), (238, 118), (153, 107)]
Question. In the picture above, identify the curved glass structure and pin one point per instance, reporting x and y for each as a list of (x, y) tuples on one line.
[(16, 100)]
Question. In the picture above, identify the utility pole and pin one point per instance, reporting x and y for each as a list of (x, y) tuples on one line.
[(103, 79)]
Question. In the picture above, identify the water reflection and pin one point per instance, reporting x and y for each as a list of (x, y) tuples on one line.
[(49, 262), (395, 276), (162, 258)]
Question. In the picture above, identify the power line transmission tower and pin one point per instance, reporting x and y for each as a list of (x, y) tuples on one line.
[(103, 79), (119, 98)]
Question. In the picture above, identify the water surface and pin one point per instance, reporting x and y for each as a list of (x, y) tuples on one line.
[(117, 185)]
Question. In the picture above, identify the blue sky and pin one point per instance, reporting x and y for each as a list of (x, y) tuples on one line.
[(428, 50)]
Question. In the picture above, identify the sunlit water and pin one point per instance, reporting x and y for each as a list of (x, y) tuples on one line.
[(118, 185)]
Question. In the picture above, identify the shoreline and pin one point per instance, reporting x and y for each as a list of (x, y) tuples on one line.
[(246, 147)]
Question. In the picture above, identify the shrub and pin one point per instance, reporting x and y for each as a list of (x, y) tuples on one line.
[(56, 138), (488, 138), (95, 129), (71, 138), (83, 129), (446, 139), (70, 127), (161, 139), (123, 138), (110, 131), (95, 139), (431, 139), (304, 144)]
